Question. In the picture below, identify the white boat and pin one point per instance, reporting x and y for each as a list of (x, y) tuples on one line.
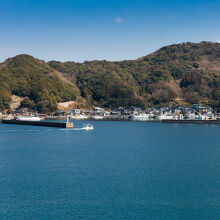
[(141, 117), (166, 117), (88, 127), (27, 118), (79, 117), (97, 117)]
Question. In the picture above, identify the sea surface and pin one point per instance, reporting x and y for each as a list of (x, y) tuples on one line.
[(118, 171)]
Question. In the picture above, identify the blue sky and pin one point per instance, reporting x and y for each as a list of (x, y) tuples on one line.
[(80, 30)]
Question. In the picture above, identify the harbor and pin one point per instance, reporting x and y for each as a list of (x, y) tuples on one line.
[(180, 114)]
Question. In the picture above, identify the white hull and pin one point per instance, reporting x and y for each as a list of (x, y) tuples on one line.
[(165, 117), (27, 118), (79, 117), (97, 117), (141, 117)]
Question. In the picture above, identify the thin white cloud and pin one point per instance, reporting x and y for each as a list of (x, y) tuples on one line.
[(169, 17), (218, 41), (118, 20)]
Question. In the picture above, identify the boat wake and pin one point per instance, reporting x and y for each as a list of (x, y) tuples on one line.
[(85, 127), (88, 127)]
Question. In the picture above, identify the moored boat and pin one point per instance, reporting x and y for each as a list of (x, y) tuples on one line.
[(27, 118), (97, 117), (79, 117), (165, 117), (141, 117)]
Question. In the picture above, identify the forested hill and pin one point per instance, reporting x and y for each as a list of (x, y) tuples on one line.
[(178, 74), (36, 81)]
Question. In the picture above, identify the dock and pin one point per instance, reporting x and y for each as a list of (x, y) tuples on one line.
[(40, 123), (192, 121)]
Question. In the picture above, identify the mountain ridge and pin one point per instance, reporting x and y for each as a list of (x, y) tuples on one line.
[(176, 74)]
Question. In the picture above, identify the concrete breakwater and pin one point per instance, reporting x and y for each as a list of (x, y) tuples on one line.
[(40, 123), (57, 123), (192, 121)]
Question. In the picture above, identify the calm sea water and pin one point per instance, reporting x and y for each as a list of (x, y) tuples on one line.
[(119, 170)]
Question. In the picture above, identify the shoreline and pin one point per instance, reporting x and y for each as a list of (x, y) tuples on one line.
[(171, 121)]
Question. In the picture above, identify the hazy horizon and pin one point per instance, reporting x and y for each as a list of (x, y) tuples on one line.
[(96, 59)]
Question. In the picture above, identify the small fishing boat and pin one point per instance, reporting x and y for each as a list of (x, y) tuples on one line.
[(88, 127)]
